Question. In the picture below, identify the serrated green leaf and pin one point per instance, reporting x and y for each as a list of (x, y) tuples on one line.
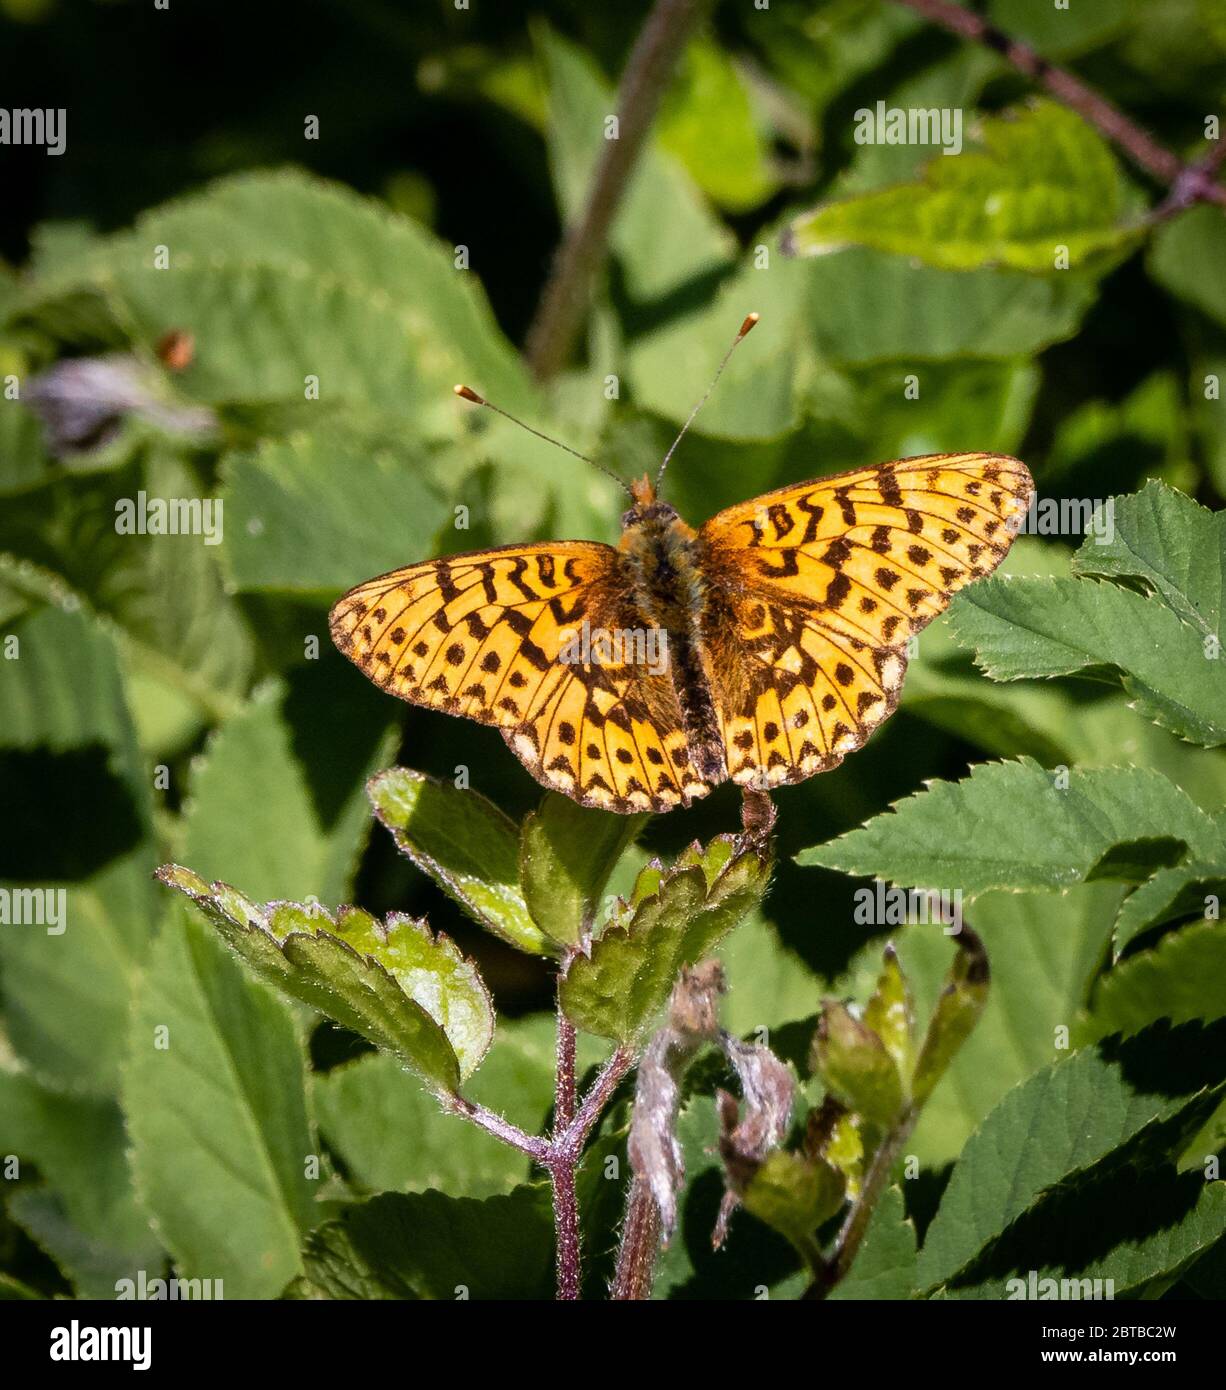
[(1064, 1121), (566, 854), (318, 511), (282, 276), (87, 1217), (216, 1109), (1057, 627), (1170, 896), (1137, 1229), (616, 990), (867, 306), (855, 1066), (396, 983), (1044, 180), (1008, 826), (1171, 543), (391, 1135), (76, 802), (466, 845), (425, 1245), (1182, 978), (276, 798), (162, 593)]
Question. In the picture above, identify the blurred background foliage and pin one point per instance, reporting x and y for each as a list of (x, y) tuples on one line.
[(181, 700)]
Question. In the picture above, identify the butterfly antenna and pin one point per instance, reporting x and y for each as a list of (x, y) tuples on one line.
[(468, 394), (750, 320)]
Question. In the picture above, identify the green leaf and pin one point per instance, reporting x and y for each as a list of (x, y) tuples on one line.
[(885, 1266), (566, 855), (215, 1101), (890, 1013), (75, 797), (617, 990), (663, 235), (1007, 825), (958, 1010), (1172, 895), (855, 1066), (1186, 257), (867, 306), (1064, 1121), (670, 367), (394, 982), (319, 511), (1044, 181), (163, 593), (707, 122), (794, 1195), (1044, 947), (87, 1216), (425, 1245), (1176, 547), (1056, 627), (1061, 33), (466, 845), (276, 799), (1139, 1229), (391, 1134), (282, 276), (1182, 978)]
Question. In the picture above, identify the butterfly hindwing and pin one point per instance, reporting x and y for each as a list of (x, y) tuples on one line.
[(492, 636), (816, 588)]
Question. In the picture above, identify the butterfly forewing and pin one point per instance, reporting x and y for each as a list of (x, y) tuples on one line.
[(816, 588), (494, 636)]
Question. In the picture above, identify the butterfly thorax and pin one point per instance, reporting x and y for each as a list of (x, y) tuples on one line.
[(659, 551)]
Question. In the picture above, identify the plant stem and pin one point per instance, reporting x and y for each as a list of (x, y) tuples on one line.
[(591, 1107), (566, 1227), (565, 298), (1144, 151), (636, 1259), (563, 1164), (851, 1235), (564, 1082), (531, 1144)]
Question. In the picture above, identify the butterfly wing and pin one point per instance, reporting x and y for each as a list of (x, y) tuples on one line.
[(814, 590), (496, 636)]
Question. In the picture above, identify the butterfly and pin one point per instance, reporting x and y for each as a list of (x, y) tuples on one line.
[(762, 647)]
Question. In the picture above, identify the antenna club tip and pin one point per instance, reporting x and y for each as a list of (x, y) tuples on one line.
[(750, 320), (468, 394)]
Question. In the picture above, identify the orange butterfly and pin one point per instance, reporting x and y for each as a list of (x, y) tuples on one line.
[(763, 647)]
